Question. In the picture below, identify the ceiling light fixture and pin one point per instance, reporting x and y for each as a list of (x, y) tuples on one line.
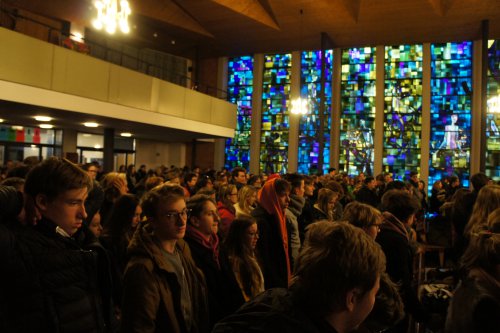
[(17, 128), (43, 118), (91, 124), (46, 126), (109, 17), (1, 120), (126, 134)]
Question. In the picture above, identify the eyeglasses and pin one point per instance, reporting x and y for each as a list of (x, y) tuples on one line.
[(177, 215), (253, 234)]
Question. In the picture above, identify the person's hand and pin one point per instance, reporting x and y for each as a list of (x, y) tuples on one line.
[(121, 185)]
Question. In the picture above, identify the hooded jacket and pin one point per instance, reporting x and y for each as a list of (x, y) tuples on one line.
[(395, 242), (152, 295), (292, 214)]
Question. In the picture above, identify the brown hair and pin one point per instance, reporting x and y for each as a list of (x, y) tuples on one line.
[(399, 203), (361, 215), (336, 258), (160, 194), (240, 255), (324, 197), (488, 199), (152, 182), (55, 176)]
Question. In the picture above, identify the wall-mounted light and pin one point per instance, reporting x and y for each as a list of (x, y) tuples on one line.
[(112, 14), (2, 120), (42, 118), (494, 104), (46, 126), (126, 134), (90, 124), (300, 106)]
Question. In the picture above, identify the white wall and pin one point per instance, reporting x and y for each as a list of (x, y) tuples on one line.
[(155, 153)]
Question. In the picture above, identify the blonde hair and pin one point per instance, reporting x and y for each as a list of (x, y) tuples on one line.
[(243, 194), (488, 199)]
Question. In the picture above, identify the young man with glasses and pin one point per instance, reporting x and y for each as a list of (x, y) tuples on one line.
[(164, 291)]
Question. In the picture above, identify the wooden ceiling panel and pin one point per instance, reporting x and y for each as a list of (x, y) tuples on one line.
[(227, 28), (252, 9)]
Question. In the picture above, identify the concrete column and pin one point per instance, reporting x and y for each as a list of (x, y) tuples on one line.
[(336, 109), (426, 113), (378, 137), (294, 119), (258, 66), (109, 146)]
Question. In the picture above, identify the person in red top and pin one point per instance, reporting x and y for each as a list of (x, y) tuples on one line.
[(228, 196)]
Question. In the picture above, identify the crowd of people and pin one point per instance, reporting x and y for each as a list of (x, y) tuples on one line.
[(186, 250)]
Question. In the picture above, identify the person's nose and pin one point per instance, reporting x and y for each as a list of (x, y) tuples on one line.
[(216, 217), (83, 212)]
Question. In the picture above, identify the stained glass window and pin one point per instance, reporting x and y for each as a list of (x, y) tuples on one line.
[(450, 133), (310, 88), (357, 121), (275, 103), (492, 163), (240, 88), (402, 110)]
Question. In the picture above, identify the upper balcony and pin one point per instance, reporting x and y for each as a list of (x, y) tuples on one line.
[(73, 86)]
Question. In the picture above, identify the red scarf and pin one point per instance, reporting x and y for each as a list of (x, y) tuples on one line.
[(210, 242), (268, 199)]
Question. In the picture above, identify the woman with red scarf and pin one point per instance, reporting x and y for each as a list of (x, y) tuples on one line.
[(272, 248), (224, 295)]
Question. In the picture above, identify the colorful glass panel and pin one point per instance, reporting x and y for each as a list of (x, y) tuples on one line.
[(492, 162), (402, 110), (275, 104), (309, 126), (240, 88), (450, 132), (357, 121)]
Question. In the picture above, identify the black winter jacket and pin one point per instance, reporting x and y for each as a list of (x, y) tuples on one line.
[(275, 310), (224, 294), (65, 284)]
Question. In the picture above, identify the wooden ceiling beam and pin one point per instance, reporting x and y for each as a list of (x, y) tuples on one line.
[(441, 7), (168, 11), (252, 9)]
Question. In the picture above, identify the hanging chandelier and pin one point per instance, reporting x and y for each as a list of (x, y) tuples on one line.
[(112, 14), (300, 106)]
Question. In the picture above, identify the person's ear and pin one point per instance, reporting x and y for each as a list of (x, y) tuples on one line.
[(194, 221), (351, 299), (41, 202)]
